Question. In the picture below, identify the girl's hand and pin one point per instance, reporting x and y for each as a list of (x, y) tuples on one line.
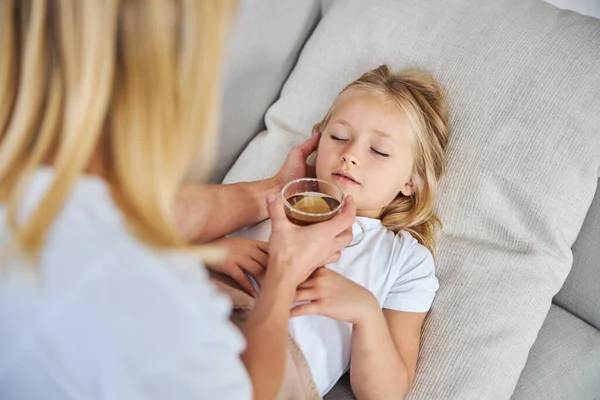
[(335, 296), (243, 255)]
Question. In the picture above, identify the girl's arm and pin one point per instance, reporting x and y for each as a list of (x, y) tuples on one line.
[(385, 344), (385, 347)]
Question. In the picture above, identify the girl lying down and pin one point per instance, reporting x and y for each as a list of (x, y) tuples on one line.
[(383, 142)]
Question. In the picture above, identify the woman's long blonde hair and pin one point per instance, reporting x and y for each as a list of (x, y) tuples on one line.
[(421, 98), (133, 83)]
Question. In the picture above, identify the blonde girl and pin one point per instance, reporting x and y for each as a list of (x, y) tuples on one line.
[(382, 142)]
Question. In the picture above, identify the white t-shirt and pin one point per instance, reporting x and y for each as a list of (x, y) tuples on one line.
[(104, 316), (397, 269)]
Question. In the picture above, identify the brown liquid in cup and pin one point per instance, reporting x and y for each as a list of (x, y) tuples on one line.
[(318, 205)]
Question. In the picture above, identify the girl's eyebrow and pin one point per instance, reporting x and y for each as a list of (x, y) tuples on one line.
[(382, 133), (342, 122)]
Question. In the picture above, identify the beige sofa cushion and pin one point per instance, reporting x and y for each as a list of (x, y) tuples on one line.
[(524, 88)]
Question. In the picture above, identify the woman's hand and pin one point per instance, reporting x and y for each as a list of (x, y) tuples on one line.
[(296, 251), (333, 295), (294, 166), (244, 255)]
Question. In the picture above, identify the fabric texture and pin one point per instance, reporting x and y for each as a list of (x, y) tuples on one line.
[(524, 92), (264, 46), (399, 272), (106, 316), (581, 292), (564, 362)]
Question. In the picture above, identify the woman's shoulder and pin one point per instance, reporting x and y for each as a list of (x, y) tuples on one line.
[(90, 243), (99, 280)]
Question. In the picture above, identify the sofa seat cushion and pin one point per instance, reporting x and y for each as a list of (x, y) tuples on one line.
[(564, 362)]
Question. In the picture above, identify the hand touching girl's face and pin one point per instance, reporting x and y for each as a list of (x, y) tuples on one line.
[(365, 149)]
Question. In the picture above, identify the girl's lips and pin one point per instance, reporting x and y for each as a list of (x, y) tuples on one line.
[(344, 179)]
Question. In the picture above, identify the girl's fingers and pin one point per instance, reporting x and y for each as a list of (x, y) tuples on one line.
[(307, 284), (312, 308), (306, 295)]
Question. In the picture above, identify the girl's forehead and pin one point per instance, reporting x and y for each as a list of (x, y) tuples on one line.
[(369, 109)]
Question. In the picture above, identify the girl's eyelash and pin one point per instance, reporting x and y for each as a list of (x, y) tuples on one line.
[(379, 153), (333, 137)]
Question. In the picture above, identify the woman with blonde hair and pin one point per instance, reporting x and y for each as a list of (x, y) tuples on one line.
[(103, 105), (383, 141)]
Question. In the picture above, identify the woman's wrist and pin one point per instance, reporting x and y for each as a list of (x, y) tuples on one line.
[(258, 192), (278, 276)]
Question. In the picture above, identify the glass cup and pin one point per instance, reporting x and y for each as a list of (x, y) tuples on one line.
[(308, 201)]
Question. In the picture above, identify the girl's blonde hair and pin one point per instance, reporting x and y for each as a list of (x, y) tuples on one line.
[(134, 82), (421, 98)]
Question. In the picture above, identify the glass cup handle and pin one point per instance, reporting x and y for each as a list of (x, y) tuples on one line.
[(360, 237)]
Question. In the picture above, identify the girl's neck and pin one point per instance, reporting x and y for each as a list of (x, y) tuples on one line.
[(375, 214)]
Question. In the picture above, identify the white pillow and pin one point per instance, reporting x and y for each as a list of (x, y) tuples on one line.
[(523, 84)]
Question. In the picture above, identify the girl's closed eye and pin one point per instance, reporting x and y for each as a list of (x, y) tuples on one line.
[(379, 153), (339, 139)]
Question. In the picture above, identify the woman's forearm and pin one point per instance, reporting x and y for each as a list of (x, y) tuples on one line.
[(206, 212), (377, 370), (266, 333)]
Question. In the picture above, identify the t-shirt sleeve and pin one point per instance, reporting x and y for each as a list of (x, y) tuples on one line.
[(206, 362), (165, 332), (416, 284)]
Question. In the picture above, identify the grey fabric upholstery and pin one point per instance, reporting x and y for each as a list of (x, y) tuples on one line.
[(341, 390), (263, 48), (564, 362), (581, 292)]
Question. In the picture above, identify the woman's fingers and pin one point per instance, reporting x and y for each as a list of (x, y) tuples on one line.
[(276, 212), (343, 239), (310, 145), (333, 258)]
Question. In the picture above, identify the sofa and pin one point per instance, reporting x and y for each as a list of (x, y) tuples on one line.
[(518, 311)]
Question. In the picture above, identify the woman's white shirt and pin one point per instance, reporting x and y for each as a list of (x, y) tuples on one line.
[(103, 316)]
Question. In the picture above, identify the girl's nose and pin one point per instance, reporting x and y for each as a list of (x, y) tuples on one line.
[(349, 158)]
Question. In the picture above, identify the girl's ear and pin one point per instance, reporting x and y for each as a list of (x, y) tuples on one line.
[(409, 188)]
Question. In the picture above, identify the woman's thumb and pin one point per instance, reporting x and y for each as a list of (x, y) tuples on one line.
[(275, 208)]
